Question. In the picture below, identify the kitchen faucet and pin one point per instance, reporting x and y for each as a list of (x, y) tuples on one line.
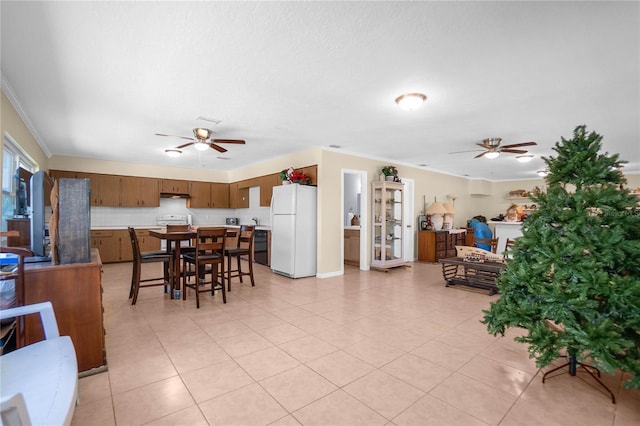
[(255, 219)]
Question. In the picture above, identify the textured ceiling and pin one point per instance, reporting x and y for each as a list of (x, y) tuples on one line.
[(99, 79)]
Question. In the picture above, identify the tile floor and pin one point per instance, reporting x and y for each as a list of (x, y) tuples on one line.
[(365, 348)]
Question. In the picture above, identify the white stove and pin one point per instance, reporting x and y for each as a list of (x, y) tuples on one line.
[(172, 219)]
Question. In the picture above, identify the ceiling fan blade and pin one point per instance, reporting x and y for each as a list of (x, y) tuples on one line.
[(217, 148), (237, 141), (175, 136), (516, 145), (470, 150), (481, 154), (515, 151), (185, 145)]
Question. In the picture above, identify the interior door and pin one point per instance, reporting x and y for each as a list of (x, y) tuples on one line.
[(409, 220)]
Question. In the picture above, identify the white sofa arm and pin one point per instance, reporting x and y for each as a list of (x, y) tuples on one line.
[(48, 318), (14, 410)]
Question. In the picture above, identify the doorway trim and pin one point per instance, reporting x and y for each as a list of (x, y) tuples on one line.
[(364, 216)]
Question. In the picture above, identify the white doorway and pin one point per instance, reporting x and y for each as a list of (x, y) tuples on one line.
[(409, 221), (354, 203)]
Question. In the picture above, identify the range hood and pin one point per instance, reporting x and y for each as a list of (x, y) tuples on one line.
[(172, 195)]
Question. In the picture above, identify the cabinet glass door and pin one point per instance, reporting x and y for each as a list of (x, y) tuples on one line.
[(387, 250)]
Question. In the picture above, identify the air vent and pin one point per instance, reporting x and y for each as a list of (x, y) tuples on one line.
[(209, 119)]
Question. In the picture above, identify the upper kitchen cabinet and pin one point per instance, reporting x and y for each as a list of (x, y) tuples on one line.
[(139, 192), (173, 186), (312, 172), (266, 188), (220, 195), (233, 195), (208, 195), (105, 189)]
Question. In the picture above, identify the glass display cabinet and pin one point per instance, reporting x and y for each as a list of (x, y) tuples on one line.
[(387, 234)]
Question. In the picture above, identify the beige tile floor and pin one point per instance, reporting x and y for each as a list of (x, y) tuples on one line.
[(365, 348)]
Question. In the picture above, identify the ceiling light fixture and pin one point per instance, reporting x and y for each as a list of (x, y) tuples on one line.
[(173, 152), (542, 173), (525, 158), (410, 101), (492, 154), (201, 146)]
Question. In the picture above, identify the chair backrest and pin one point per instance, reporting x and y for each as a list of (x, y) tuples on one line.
[(486, 244), (210, 241), (245, 240), (135, 246), (509, 244)]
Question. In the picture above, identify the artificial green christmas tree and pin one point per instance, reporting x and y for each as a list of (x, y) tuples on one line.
[(574, 280)]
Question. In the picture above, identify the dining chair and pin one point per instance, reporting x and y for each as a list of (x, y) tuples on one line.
[(244, 247), (140, 258), (482, 243), (208, 255)]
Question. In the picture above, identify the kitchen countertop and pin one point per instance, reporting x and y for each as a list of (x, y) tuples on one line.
[(116, 227)]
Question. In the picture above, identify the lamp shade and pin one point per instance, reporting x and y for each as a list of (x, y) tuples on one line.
[(449, 208), (436, 208)]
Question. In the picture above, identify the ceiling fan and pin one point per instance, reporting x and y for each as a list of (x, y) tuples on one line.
[(202, 140), (492, 148)]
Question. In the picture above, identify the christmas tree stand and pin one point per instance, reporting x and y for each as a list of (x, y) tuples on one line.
[(573, 365)]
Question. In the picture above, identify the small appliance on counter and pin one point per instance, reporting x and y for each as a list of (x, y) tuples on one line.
[(232, 221)]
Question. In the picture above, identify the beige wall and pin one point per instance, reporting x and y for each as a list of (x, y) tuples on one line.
[(12, 126), (428, 184)]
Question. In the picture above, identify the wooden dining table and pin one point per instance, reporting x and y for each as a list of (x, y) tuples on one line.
[(176, 238)]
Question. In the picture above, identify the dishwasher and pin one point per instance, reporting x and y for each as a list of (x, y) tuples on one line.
[(261, 247)]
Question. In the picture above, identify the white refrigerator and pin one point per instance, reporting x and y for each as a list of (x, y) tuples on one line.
[(294, 230)]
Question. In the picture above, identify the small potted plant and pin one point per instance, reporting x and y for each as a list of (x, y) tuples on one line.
[(285, 175), (390, 173)]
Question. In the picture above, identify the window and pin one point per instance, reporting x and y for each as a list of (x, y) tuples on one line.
[(13, 157)]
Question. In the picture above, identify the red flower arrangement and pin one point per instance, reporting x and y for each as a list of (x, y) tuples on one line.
[(295, 177)]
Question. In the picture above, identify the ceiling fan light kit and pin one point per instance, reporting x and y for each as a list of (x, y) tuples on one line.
[(524, 158), (410, 101), (201, 146), (492, 154)]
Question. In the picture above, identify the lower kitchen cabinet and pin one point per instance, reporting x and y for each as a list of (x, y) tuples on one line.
[(352, 247), (114, 245)]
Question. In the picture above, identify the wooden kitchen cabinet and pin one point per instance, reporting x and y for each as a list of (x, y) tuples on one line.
[(266, 188), (243, 198), (75, 291), (139, 192), (174, 186), (208, 195), (112, 244), (352, 247), (436, 245), (233, 195), (145, 241), (312, 172), (105, 189), (200, 195), (220, 195)]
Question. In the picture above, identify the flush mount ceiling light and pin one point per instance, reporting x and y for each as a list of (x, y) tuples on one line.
[(410, 101), (524, 158), (173, 152), (542, 173), (492, 154)]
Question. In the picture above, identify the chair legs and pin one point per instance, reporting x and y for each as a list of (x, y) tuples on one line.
[(239, 273), (200, 280)]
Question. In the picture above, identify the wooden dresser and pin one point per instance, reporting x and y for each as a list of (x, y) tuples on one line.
[(75, 291), (436, 245)]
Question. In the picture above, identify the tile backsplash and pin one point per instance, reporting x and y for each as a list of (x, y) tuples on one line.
[(146, 216)]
